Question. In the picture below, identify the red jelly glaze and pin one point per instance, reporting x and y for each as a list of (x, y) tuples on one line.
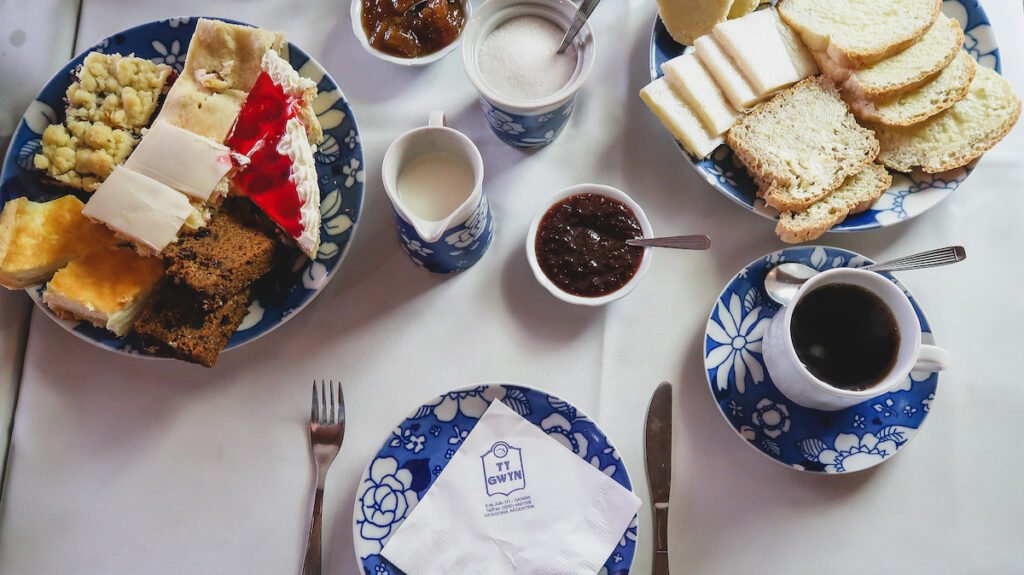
[(258, 130)]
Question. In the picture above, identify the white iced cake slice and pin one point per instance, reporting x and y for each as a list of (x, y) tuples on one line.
[(190, 163), (679, 118), (107, 288), (694, 83), (768, 52), (140, 209)]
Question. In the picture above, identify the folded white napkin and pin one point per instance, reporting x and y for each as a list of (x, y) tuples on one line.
[(513, 501)]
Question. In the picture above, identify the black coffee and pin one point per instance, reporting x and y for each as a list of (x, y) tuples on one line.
[(845, 335)]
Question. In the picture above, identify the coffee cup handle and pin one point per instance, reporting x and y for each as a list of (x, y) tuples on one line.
[(436, 119), (931, 359)]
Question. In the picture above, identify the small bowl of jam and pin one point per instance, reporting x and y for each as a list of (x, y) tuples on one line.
[(577, 245), (410, 32)]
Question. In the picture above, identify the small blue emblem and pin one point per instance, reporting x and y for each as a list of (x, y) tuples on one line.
[(503, 469)]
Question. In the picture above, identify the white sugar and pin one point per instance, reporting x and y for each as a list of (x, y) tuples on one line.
[(518, 60)]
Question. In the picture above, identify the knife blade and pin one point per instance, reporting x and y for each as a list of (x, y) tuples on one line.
[(658, 453)]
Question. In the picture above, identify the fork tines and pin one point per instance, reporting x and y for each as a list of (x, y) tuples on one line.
[(327, 411)]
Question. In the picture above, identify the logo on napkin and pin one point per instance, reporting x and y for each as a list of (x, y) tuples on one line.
[(503, 469)]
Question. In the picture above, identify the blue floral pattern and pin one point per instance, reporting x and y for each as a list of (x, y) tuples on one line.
[(842, 441), (459, 248), (527, 131), (398, 477), (339, 169), (910, 195)]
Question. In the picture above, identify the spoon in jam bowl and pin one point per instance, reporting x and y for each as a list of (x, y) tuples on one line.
[(695, 242), (784, 280)]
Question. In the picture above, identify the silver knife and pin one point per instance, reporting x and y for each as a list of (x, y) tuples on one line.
[(658, 451)]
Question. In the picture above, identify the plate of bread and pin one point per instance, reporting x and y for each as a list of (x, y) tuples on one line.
[(830, 115), (181, 188)]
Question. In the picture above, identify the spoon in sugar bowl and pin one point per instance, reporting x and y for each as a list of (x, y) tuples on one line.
[(582, 15), (784, 280), (695, 242)]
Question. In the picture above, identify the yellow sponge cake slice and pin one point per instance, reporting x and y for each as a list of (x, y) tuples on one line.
[(107, 288), (37, 239)]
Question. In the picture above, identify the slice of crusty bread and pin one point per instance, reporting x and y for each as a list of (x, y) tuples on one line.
[(687, 20), (902, 72), (802, 144), (918, 105), (856, 33), (856, 194), (957, 136)]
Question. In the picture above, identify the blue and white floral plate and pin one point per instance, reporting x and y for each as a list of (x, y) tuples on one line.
[(909, 196), (842, 441), (339, 165), (420, 447)]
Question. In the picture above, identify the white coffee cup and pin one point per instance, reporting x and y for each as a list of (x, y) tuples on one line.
[(797, 383)]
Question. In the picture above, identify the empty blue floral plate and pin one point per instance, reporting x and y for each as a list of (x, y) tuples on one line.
[(910, 194), (807, 439), (420, 447), (339, 165)]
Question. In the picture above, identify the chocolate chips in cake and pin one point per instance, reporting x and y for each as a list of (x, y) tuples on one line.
[(218, 261), (175, 324)]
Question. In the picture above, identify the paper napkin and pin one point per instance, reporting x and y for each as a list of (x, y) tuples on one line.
[(513, 501)]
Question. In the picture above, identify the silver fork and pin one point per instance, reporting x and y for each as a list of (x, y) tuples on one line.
[(326, 432)]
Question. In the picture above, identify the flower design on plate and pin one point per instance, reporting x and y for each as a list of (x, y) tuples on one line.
[(408, 439), (738, 331), (771, 417), (175, 22), (926, 403), (328, 151), (352, 173), (469, 403), (386, 502), (852, 453), (352, 139), (171, 56)]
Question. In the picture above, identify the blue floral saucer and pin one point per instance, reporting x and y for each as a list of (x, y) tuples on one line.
[(910, 194), (421, 446), (339, 165), (842, 441)]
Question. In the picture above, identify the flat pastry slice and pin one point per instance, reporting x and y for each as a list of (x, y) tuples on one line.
[(37, 239), (279, 172), (221, 67), (107, 288), (855, 195), (187, 162), (957, 136)]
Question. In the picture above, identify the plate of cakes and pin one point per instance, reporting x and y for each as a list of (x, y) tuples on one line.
[(830, 115), (181, 188)]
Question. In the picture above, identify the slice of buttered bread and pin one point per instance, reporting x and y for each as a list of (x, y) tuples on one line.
[(687, 20), (856, 194), (856, 33), (957, 136), (902, 72), (918, 105), (802, 144)]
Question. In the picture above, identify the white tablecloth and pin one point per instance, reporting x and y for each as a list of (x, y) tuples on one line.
[(128, 466)]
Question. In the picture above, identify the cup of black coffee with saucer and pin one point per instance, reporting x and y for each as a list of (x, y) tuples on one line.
[(848, 335)]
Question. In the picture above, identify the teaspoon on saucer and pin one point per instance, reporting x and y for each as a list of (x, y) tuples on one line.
[(784, 280), (696, 242)]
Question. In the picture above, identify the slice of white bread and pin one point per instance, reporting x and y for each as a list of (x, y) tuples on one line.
[(768, 52), (741, 8), (687, 20), (679, 118), (694, 83), (855, 195), (918, 105), (856, 33), (902, 72), (957, 136), (726, 73), (802, 144)]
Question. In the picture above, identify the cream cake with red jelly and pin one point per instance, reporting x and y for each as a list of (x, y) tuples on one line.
[(271, 145)]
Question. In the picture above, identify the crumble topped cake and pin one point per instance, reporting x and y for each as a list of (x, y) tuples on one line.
[(37, 239), (107, 288), (174, 324), (112, 99), (220, 260), (279, 174)]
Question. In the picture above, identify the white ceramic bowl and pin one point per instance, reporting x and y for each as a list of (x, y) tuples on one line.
[(357, 28), (609, 192)]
